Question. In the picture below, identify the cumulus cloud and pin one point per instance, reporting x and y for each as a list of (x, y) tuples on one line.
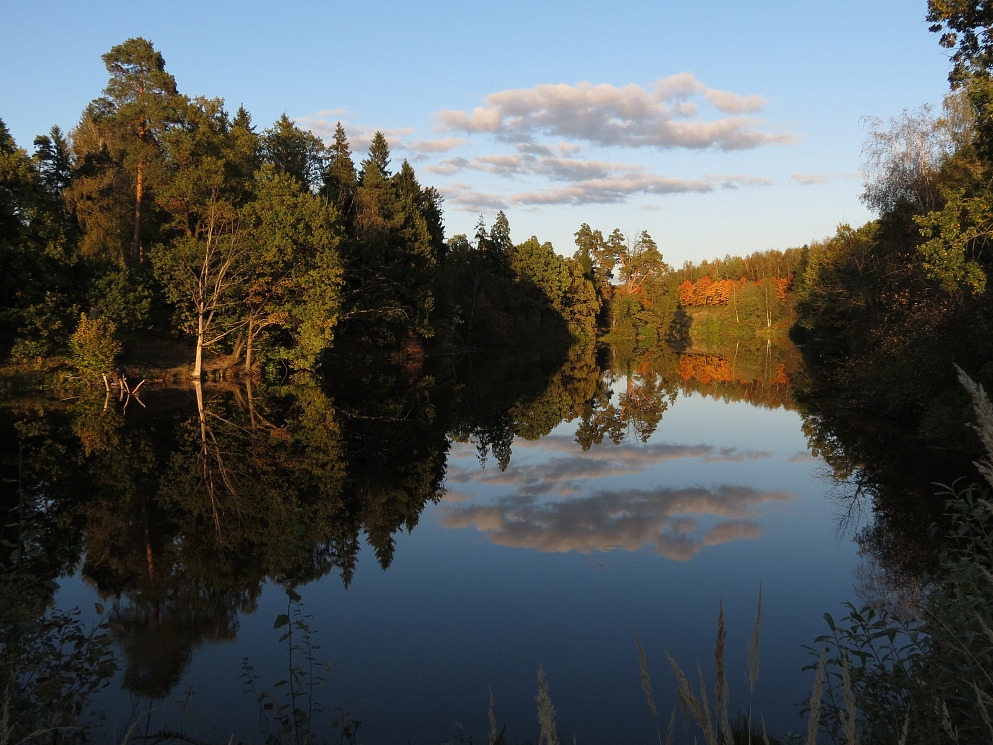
[(660, 116), (440, 145), (590, 181), (665, 520), (552, 166), (732, 103), (617, 188), (323, 124), (464, 196)]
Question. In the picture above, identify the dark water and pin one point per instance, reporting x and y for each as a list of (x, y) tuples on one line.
[(448, 527)]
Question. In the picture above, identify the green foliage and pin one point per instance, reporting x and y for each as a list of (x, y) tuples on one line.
[(294, 271), (542, 272), (955, 232), (51, 665), (44, 327), (124, 296), (874, 660), (340, 174), (644, 305), (94, 346), (294, 152), (288, 713), (38, 292)]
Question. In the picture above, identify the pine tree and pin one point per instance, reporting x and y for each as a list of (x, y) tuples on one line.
[(139, 100)]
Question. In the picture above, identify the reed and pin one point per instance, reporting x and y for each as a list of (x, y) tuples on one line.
[(546, 712), (813, 723), (494, 735)]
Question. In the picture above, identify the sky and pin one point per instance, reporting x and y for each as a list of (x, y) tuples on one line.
[(718, 127)]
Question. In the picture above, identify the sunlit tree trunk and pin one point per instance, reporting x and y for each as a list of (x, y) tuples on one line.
[(139, 196)]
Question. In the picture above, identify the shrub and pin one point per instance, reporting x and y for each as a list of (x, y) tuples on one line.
[(94, 346)]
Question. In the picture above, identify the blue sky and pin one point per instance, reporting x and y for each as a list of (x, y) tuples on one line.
[(719, 127)]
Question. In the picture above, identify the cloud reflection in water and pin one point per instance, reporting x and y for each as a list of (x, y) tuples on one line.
[(665, 520), (631, 520)]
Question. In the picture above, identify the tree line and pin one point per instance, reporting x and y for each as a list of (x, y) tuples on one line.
[(885, 309), (162, 214)]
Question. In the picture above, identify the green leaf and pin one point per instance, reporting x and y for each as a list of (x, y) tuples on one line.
[(281, 620), (292, 594), (99, 608)]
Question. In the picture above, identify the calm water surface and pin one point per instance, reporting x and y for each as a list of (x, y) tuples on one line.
[(639, 494)]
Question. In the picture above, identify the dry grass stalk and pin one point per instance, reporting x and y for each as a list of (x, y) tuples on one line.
[(753, 648), (721, 692), (815, 703), (946, 724), (646, 679), (708, 717), (906, 729), (849, 725), (546, 712), (684, 694), (494, 736), (698, 707), (982, 698), (670, 733), (765, 733), (984, 421)]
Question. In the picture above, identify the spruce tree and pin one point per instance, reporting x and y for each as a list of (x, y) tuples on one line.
[(293, 151), (379, 156), (500, 242), (340, 176), (54, 160)]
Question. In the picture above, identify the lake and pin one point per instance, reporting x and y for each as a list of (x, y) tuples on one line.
[(449, 526)]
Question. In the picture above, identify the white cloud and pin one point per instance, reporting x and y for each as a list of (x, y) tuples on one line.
[(617, 188), (809, 179), (590, 181), (551, 166), (732, 103), (440, 145), (323, 124), (632, 116), (466, 198)]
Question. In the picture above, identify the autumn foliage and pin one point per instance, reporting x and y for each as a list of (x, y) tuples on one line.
[(708, 291)]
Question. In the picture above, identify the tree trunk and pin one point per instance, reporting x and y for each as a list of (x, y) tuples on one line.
[(208, 474), (139, 195), (197, 373), (248, 348)]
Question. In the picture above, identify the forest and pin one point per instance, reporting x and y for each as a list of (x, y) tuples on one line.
[(163, 219), (165, 238)]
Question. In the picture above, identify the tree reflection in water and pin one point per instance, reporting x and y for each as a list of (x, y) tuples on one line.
[(182, 510)]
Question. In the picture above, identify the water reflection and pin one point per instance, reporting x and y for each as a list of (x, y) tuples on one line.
[(179, 513), (663, 519), (565, 466), (884, 479)]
